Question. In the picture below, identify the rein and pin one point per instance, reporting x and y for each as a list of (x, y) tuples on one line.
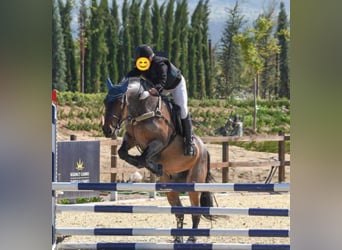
[(156, 113), (148, 115)]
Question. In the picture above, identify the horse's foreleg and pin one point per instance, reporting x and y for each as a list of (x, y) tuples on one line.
[(149, 157), (123, 153)]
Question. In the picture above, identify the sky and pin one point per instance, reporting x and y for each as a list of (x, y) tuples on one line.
[(218, 12), (249, 8)]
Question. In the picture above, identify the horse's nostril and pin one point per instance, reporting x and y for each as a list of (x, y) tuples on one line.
[(107, 131)]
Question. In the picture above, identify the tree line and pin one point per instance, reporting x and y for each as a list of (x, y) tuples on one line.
[(248, 58)]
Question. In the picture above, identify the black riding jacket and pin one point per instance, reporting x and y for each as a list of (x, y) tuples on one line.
[(159, 73)]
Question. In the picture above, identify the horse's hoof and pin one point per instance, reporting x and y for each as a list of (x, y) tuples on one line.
[(155, 168), (158, 169), (191, 240), (178, 240)]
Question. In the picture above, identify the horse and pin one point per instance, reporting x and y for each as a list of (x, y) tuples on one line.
[(150, 127)]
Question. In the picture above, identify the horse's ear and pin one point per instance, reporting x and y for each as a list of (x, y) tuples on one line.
[(109, 84)]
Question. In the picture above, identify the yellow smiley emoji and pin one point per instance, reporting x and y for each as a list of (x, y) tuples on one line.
[(143, 63)]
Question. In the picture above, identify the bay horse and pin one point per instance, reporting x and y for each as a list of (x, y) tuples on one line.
[(150, 127)]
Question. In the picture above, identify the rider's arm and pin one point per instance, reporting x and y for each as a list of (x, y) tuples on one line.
[(133, 72), (162, 76)]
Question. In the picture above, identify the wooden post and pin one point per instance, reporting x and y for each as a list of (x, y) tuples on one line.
[(113, 162), (281, 158), (113, 196), (225, 158), (73, 137)]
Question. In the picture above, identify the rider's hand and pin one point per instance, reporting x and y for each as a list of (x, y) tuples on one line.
[(153, 91)]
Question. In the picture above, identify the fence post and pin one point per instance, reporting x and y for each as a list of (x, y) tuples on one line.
[(225, 158), (113, 165), (152, 194), (54, 172), (281, 158)]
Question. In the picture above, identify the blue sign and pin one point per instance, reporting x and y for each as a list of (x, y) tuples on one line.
[(78, 161)]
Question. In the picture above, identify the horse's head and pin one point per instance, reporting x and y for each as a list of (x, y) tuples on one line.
[(113, 108)]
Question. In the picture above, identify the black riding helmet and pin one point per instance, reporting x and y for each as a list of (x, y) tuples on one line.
[(143, 51)]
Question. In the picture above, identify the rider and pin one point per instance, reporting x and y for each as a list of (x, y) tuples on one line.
[(165, 77)]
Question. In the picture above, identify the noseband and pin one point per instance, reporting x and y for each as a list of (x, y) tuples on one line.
[(118, 124)]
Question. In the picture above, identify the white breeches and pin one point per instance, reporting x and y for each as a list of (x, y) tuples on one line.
[(180, 97)]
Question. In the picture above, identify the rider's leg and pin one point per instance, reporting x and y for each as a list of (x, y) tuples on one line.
[(189, 144), (180, 97)]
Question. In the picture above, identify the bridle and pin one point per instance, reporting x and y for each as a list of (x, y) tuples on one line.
[(109, 115), (118, 124)]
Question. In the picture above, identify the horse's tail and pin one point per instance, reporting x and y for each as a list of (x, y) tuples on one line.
[(207, 198), (209, 178)]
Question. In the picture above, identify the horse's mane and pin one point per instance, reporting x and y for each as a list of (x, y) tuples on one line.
[(138, 98), (134, 86)]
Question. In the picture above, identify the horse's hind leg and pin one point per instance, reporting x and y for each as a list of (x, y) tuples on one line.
[(173, 198), (195, 201)]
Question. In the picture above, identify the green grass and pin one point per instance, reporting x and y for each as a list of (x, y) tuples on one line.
[(81, 200)]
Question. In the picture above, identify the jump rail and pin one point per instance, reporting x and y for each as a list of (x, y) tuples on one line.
[(166, 187), (173, 232), (174, 210), (174, 246)]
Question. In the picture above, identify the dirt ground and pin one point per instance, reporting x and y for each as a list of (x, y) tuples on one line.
[(234, 200)]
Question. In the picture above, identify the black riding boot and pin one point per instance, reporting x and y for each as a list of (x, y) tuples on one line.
[(189, 146)]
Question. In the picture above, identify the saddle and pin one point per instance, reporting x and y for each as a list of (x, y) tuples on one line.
[(175, 112), (173, 108)]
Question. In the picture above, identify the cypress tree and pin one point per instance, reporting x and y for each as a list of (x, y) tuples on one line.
[(146, 32), (193, 55), (58, 52), (126, 42), (104, 18), (113, 43), (134, 24), (168, 27), (183, 31), (98, 47), (205, 48), (176, 44), (94, 66), (88, 88), (283, 35), (157, 30), (71, 72), (82, 20), (229, 57), (196, 73)]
